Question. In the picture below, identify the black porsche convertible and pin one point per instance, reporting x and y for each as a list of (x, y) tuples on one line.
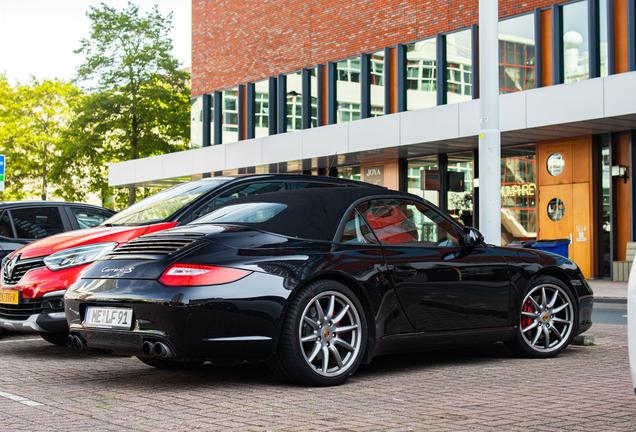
[(316, 282)]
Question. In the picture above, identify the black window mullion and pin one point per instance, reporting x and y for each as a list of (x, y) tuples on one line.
[(320, 101), (401, 78), (440, 67), (282, 104), (305, 111), (365, 86), (594, 38), (474, 40), (250, 110), (272, 106), (241, 118), (386, 70), (332, 97), (218, 117), (442, 164), (206, 119)]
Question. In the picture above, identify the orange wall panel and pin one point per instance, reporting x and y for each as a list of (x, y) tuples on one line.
[(620, 35), (546, 47)]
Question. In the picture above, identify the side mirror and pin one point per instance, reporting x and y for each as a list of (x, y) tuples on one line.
[(472, 237)]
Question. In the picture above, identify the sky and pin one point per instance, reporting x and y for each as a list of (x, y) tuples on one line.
[(38, 37)]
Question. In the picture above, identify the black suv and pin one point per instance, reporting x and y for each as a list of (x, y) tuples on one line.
[(22, 222)]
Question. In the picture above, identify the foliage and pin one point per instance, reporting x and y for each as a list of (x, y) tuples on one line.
[(33, 121), (138, 105)]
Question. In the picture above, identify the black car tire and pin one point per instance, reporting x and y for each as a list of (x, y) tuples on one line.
[(170, 364), (557, 317), (339, 339), (55, 338)]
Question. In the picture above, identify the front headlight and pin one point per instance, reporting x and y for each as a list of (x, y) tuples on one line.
[(78, 256)]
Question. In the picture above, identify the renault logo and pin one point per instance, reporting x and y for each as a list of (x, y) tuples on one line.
[(10, 265)]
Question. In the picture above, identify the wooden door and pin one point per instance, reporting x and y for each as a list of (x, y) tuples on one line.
[(555, 212), (573, 187)]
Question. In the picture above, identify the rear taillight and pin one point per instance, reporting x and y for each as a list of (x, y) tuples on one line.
[(195, 274)]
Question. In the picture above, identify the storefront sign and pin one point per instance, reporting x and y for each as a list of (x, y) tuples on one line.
[(527, 189), (374, 174)]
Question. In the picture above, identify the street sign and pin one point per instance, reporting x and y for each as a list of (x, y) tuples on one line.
[(1, 173)]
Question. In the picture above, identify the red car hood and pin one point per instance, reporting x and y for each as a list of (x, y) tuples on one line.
[(70, 239)]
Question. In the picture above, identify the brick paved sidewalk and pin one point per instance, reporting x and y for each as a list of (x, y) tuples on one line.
[(477, 389)]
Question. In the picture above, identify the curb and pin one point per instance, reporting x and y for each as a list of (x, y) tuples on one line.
[(610, 300)]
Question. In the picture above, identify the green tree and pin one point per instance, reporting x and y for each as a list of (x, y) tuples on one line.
[(33, 123), (138, 103)]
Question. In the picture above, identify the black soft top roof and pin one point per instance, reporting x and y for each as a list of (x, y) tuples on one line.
[(313, 214)]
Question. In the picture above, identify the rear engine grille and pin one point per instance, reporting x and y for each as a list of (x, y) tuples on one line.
[(20, 269), (26, 308), (163, 245)]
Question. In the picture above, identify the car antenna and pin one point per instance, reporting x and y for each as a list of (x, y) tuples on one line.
[(331, 164)]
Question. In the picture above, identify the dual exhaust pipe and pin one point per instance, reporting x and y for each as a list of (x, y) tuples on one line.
[(76, 341), (156, 349)]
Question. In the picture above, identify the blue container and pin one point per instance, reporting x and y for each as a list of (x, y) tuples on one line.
[(559, 247)]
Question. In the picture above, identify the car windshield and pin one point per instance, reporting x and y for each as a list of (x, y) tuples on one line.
[(243, 213), (164, 204)]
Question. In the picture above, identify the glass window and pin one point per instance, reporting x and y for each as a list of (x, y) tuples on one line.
[(196, 122), (248, 190), (604, 32), (294, 101), (88, 218), (459, 67), (348, 90), (421, 75), (356, 231), (37, 222), (314, 185), (605, 185), (377, 83), (575, 42), (230, 115), (351, 173), (5, 226), (516, 54), (429, 190), (313, 81), (404, 222), (261, 110), (212, 119), (518, 194), (164, 204), (244, 213), (460, 187)]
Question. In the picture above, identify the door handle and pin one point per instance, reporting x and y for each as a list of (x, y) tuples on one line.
[(404, 272)]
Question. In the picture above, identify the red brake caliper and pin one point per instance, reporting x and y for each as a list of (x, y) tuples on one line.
[(527, 307)]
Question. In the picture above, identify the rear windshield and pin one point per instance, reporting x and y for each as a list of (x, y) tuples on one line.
[(243, 213), (162, 205)]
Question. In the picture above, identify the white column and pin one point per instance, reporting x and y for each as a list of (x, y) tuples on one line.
[(489, 134)]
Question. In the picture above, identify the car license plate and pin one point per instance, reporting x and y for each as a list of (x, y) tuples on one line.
[(9, 297), (117, 318)]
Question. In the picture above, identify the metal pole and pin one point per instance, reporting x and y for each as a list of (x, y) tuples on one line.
[(489, 134)]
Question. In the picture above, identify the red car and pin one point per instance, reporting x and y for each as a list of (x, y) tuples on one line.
[(35, 277)]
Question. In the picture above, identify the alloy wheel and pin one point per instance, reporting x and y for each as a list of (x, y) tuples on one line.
[(547, 318), (330, 333)]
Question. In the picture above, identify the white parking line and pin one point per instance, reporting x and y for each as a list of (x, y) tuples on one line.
[(20, 399), (21, 340)]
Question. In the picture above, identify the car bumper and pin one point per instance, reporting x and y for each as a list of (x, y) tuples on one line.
[(232, 321), (41, 315)]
